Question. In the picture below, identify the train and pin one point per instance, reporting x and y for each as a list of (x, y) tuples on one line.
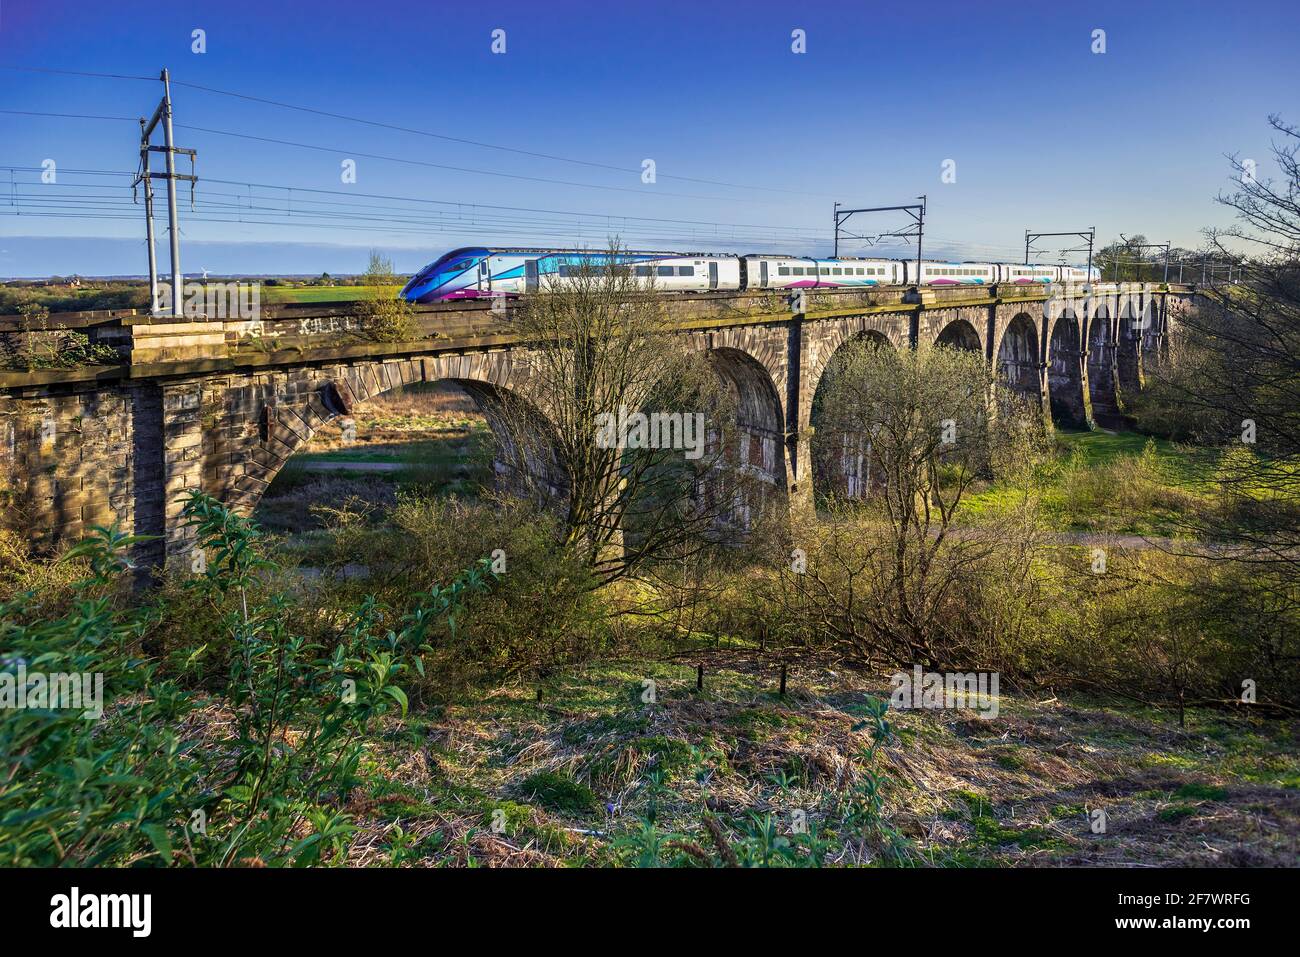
[(482, 272)]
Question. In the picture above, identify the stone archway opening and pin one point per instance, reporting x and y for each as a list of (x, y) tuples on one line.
[(1018, 360), (960, 334), (750, 473), (436, 437), (1065, 375), (1102, 369), (841, 460)]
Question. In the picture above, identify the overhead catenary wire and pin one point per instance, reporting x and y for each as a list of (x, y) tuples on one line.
[(535, 154), (449, 214), (483, 145)]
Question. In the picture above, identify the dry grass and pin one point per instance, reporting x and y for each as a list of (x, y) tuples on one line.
[(1015, 790)]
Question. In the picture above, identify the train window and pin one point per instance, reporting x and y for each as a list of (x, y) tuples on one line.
[(664, 270), (796, 270), (686, 270), (783, 270), (643, 270), (837, 272)]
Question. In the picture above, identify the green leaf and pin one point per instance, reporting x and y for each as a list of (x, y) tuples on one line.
[(160, 839), (398, 695)]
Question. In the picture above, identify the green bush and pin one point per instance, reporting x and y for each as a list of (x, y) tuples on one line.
[(158, 779), (543, 612)]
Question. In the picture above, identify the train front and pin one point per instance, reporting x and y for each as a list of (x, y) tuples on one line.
[(451, 276)]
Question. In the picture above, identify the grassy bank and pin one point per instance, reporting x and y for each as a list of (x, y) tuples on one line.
[(592, 774), (1119, 483)]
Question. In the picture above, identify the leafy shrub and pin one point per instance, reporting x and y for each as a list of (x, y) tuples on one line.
[(39, 347), (1129, 485), (153, 773), (542, 613)]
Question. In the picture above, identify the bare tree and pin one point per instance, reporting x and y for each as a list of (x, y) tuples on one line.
[(887, 586), (622, 422), (1237, 373)]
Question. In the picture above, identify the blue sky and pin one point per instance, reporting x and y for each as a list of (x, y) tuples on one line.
[(1043, 132)]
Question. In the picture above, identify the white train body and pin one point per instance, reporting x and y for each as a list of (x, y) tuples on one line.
[(954, 274), (794, 272), (482, 272)]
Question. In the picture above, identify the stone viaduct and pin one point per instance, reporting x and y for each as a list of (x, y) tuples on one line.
[(221, 405)]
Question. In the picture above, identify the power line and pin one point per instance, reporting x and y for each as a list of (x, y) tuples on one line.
[(481, 144), (535, 154), (70, 116), (444, 166), (796, 232), (101, 76)]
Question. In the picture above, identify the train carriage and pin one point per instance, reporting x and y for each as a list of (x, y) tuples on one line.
[(953, 274), (796, 272), (480, 272), (1024, 274)]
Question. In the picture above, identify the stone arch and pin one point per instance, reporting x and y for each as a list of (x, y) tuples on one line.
[(1154, 341), (289, 417), (1065, 373), (755, 450), (1101, 365), (1019, 360), (823, 342), (1128, 347), (841, 465), (960, 334)]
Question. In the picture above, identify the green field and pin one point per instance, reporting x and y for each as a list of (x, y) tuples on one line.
[(273, 295), (1120, 483)]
